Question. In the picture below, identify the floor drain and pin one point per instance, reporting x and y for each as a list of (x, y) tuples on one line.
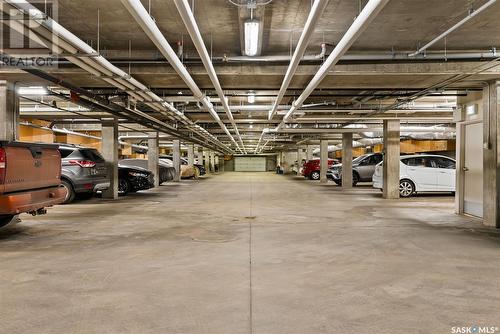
[(250, 217)]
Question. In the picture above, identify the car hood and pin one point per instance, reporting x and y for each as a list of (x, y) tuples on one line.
[(134, 169)]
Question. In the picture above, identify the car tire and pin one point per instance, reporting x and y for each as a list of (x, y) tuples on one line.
[(338, 182), (406, 188), (315, 176), (355, 179), (70, 195), (5, 220), (124, 187)]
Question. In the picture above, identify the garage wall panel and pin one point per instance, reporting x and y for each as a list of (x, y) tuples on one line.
[(249, 164)]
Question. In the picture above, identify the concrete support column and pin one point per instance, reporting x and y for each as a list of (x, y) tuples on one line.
[(153, 156), (199, 155), (309, 154), (323, 165), (206, 160), (216, 163), (212, 161), (9, 111), (346, 160), (222, 162), (191, 155), (110, 147), (176, 147), (491, 159), (391, 158)]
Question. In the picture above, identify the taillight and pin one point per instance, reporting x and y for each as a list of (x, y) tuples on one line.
[(83, 163), (3, 161)]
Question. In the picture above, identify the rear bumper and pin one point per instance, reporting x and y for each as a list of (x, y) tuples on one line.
[(377, 182), (27, 201), (88, 185)]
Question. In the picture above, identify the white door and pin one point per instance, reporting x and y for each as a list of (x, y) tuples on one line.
[(446, 173), (473, 170), (420, 170), (249, 164)]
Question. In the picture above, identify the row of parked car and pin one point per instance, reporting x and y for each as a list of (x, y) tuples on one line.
[(34, 176), (418, 173), (84, 172)]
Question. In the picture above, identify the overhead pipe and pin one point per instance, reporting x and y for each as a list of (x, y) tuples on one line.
[(194, 32), (369, 12), (142, 17), (472, 14), (314, 15), (75, 45)]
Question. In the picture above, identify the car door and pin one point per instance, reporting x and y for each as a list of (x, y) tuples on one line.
[(422, 172), (446, 173), (363, 168)]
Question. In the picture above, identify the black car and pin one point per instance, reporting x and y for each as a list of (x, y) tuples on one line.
[(83, 171), (132, 179)]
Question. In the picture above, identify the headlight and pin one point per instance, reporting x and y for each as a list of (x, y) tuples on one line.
[(136, 174)]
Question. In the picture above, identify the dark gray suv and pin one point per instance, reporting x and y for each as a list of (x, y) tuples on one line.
[(83, 171), (363, 168)]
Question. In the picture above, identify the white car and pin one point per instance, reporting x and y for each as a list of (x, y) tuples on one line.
[(421, 173)]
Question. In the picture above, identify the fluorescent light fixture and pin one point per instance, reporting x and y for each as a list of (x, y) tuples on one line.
[(251, 37), (251, 97), (32, 90), (250, 126)]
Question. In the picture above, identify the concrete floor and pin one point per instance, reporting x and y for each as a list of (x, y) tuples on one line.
[(177, 260)]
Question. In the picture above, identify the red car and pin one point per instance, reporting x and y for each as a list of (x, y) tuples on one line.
[(310, 169)]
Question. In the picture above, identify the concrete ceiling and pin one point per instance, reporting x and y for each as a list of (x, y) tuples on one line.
[(402, 26)]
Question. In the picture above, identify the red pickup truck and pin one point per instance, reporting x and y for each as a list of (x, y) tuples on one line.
[(30, 178)]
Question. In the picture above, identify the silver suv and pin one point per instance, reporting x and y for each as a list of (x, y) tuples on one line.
[(363, 168), (83, 171)]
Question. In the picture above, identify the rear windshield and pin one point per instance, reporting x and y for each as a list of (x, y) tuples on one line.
[(92, 155)]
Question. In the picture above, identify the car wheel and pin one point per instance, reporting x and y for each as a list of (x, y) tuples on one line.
[(338, 182), (315, 175), (5, 220), (406, 188), (70, 192), (355, 179), (123, 187)]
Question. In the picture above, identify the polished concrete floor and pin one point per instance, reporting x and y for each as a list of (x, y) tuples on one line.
[(249, 253)]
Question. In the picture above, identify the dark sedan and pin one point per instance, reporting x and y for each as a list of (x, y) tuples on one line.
[(132, 179)]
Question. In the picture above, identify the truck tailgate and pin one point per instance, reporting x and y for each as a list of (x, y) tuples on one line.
[(30, 166)]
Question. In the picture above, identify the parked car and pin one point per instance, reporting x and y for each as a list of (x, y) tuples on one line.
[(363, 168), (132, 179), (167, 170), (186, 170), (30, 179), (311, 168), (421, 173), (83, 171)]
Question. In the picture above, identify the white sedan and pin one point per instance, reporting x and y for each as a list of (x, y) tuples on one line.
[(421, 173)]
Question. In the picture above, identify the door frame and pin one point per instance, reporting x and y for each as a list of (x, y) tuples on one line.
[(460, 162)]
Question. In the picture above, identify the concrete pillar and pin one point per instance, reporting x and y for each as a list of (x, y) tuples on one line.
[(191, 154), (346, 160), (216, 163), (176, 147), (491, 159), (391, 159), (206, 161), (199, 155), (222, 163), (110, 147), (9, 111), (309, 154), (323, 165), (153, 156), (212, 161)]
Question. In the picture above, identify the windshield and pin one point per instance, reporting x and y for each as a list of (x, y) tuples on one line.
[(358, 159)]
